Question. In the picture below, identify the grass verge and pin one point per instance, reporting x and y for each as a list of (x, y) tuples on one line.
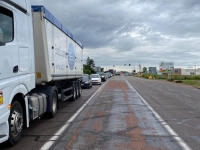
[(195, 83), (184, 79)]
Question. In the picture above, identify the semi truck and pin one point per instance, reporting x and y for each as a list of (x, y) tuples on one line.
[(40, 65)]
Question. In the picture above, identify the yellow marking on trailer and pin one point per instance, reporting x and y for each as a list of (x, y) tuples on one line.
[(1, 98), (38, 75)]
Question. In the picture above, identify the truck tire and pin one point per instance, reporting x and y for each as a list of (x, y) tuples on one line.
[(16, 122), (54, 104)]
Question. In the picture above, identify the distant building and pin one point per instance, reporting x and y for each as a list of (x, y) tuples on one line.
[(177, 71), (98, 69), (190, 71), (152, 70)]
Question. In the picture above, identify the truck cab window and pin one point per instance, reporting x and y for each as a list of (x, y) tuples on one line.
[(6, 25)]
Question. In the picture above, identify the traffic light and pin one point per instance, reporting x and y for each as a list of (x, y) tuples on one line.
[(129, 64)]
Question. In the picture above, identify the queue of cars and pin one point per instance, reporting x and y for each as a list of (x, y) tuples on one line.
[(88, 80)]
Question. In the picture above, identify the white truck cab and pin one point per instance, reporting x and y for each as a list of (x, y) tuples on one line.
[(34, 68), (17, 75)]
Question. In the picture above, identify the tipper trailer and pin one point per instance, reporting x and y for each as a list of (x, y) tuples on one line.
[(41, 63)]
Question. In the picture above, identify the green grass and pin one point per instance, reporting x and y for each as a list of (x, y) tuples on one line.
[(184, 79), (154, 76), (195, 83)]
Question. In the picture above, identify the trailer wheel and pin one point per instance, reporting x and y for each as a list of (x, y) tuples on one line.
[(73, 91), (15, 123), (54, 104), (79, 89)]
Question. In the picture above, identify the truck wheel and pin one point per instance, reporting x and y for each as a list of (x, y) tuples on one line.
[(54, 104), (16, 122)]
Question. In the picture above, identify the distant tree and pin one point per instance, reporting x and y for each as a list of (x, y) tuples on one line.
[(90, 62), (89, 67), (144, 69), (87, 72), (102, 69)]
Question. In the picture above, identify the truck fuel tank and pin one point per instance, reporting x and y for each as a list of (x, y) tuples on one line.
[(37, 105)]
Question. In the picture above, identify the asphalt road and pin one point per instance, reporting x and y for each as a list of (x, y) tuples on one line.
[(41, 130), (177, 104), (117, 118)]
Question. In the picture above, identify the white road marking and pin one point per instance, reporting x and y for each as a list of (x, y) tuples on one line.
[(187, 95), (178, 139), (52, 140)]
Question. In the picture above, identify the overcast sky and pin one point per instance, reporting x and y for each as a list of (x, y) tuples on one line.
[(118, 32)]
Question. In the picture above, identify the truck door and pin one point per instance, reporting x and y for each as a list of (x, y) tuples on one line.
[(24, 37), (9, 62)]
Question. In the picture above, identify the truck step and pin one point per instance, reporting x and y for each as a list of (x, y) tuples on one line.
[(66, 97), (3, 135)]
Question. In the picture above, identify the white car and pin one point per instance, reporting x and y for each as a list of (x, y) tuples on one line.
[(96, 78)]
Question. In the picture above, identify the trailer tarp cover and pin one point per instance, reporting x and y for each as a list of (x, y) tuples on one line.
[(54, 21)]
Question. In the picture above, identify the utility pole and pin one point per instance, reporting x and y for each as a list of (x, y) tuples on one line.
[(140, 69)]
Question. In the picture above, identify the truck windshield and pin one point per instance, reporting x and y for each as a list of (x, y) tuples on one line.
[(6, 25)]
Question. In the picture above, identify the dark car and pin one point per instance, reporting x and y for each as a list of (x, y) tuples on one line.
[(103, 76), (117, 74), (86, 81)]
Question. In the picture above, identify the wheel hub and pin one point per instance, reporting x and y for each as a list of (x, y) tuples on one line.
[(16, 123)]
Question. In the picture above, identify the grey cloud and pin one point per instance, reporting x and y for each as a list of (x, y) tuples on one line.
[(167, 30)]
